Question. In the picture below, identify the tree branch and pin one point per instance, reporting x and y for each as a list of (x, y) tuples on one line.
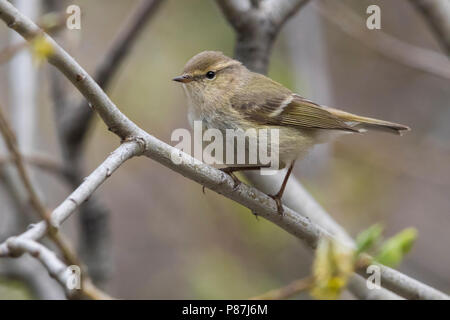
[(295, 196), (10, 140), (437, 14), (124, 152), (139, 142), (42, 162), (257, 58), (257, 27), (406, 54), (286, 292), (280, 11), (75, 122), (56, 268)]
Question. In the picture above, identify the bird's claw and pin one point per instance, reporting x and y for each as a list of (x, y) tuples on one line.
[(236, 180), (277, 199)]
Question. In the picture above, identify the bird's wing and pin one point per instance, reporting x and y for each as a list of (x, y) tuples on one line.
[(275, 105)]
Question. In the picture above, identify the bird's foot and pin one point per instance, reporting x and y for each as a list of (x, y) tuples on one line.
[(229, 171), (277, 199)]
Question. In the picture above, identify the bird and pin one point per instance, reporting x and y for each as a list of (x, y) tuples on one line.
[(224, 94)]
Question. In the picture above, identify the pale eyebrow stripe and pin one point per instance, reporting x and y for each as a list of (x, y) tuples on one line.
[(218, 67), (226, 65)]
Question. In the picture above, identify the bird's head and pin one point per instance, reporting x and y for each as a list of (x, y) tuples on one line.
[(210, 74)]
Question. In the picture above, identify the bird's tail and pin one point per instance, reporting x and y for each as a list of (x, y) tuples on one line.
[(364, 123)]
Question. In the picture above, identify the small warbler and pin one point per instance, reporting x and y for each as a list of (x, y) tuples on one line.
[(224, 94)]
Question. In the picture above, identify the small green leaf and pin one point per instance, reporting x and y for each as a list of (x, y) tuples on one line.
[(367, 238), (41, 49), (333, 264), (394, 249)]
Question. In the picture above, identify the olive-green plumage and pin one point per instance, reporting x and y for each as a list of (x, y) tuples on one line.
[(224, 94)]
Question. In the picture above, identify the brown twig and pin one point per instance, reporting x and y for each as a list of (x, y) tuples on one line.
[(404, 53), (137, 142), (51, 23), (62, 244), (39, 161), (437, 15), (75, 122), (286, 292), (10, 140)]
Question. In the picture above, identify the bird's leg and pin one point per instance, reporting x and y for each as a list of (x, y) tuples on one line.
[(277, 197), (230, 171)]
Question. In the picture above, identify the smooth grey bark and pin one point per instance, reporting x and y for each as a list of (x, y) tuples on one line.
[(136, 142)]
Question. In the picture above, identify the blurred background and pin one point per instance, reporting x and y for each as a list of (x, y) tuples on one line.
[(169, 240)]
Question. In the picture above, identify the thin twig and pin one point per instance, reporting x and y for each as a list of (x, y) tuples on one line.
[(75, 122), (406, 54), (437, 15), (10, 140), (51, 23), (124, 152), (56, 268), (140, 142), (286, 292), (253, 49), (39, 161)]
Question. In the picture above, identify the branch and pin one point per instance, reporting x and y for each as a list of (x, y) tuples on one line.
[(56, 268), (51, 23), (126, 151), (297, 198), (75, 121), (286, 292), (280, 11), (437, 14), (406, 54), (139, 142), (10, 140), (257, 27), (257, 58), (42, 162), (233, 10)]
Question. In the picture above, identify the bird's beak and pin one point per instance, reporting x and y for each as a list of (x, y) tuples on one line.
[(185, 78)]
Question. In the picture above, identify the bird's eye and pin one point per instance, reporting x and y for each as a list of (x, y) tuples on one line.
[(210, 75)]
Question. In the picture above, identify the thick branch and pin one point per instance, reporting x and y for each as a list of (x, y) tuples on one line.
[(257, 27), (214, 179), (280, 11)]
